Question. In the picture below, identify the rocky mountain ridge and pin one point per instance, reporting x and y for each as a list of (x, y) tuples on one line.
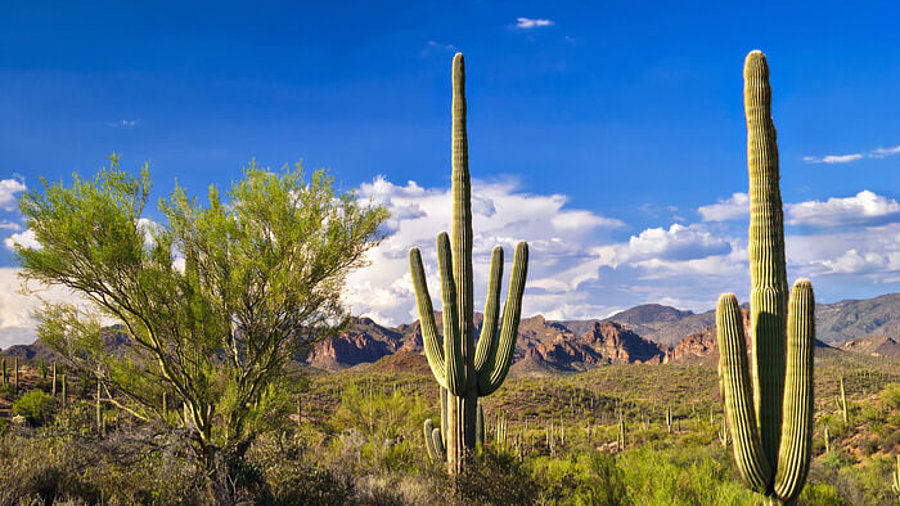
[(643, 334)]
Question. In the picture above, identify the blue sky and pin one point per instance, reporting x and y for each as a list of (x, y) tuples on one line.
[(621, 121)]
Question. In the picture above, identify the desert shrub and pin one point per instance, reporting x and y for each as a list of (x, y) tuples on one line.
[(583, 479), (820, 494), (36, 406), (497, 478), (379, 430), (891, 395), (120, 470), (687, 476), (77, 417), (290, 474)]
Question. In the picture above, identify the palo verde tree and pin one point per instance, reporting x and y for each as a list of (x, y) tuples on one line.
[(214, 300)]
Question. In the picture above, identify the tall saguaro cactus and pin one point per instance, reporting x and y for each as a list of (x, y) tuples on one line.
[(768, 404), (466, 372)]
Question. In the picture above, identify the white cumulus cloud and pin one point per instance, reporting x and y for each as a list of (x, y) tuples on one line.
[(26, 239), (8, 190), (733, 208), (864, 208), (559, 238)]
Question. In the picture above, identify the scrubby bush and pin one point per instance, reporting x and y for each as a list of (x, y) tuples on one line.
[(497, 478), (35, 406)]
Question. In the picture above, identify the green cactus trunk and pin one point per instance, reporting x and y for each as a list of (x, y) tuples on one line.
[(5, 374), (466, 372), (768, 404), (65, 390), (895, 478), (844, 414), (435, 436), (54, 381), (16, 375)]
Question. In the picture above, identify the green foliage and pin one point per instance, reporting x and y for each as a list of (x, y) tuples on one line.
[(36, 406), (686, 477), (581, 480), (497, 478), (290, 477), (821, 494), (890, 396), (381, 425), (261, 279)]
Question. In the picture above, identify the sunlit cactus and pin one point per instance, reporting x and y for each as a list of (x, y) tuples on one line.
[(768, 402), (843, 403), (466, 372), (435, 436), (895, 477), (724, 435)]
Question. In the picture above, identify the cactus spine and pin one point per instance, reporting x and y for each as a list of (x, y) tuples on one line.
[(771, 418), (466, 372)]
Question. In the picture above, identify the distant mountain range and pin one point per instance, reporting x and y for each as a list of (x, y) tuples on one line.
[(651, 333)]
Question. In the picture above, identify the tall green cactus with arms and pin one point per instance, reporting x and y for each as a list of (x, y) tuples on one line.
[(466, 372), (768, 403)]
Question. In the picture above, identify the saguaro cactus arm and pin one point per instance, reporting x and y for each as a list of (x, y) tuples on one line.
[(487, 342), (428, 429), (454, 356), (738, 397), (797, 429), (494, 371), (434, 349)]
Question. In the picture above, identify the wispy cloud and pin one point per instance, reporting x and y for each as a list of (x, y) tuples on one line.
[(879, 152), (9, 225), (529, 23), (883, 152), (125, 123), (438, 45), (833, 158), (8, 190)]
